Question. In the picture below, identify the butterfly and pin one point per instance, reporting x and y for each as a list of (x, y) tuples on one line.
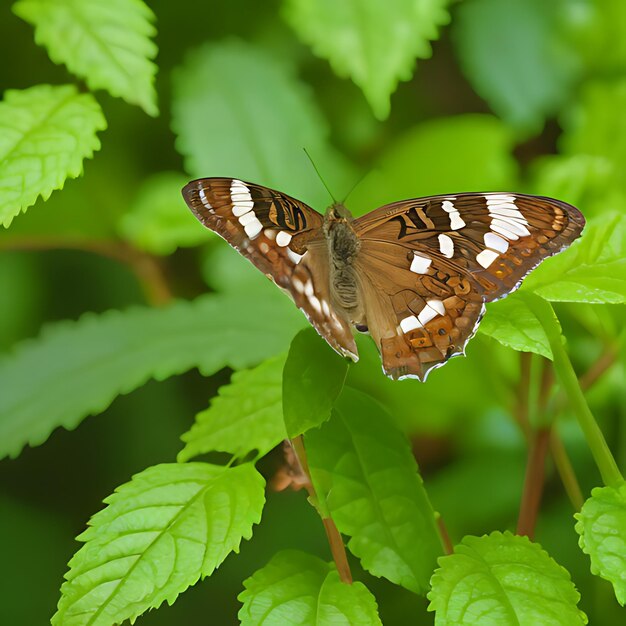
[(415, 274)]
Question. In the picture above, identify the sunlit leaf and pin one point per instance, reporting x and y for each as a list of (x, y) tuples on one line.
[(517, 57), (313, 378), (246, 415), (513, 324), (434, 158), (239, 112), (297, 588), (158, 220), (503, 580), (106, 43), (160, 533), (45, 134), (373, 43), (592, 270), (363, 469), (602, 529), (78, 368)]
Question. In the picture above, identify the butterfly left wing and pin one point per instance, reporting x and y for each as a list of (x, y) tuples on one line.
[(283, 238), (429, 264)]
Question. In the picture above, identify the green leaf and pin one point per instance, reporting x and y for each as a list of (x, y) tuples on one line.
[(297, 588), (45, 134), (101, 356), (365, 475), (246, 415), (239, 112), (160, 533), (433, 158), (592, 270), (517, 57), (373, 43), (106, 43), (313, 378), (514, 325), (602, 528), (503, 580), (158, 220)]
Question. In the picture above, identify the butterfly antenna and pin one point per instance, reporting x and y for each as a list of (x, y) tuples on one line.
[(358, 182), (330, 193)]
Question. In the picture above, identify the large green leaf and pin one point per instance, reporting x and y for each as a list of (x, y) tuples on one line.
[(602, 529), (45, 134), (513, 324), (78, 368), (297, 588), (246, 415), (434, 158), (161, 532), (313, 377), (592, 270), (503, 580), (365, 475), (158, 220), (517, 57), (373, 43), (239, 112), (106, 43)]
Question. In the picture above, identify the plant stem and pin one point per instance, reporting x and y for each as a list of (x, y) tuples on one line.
[(337, 548), (565, 470), (567, 376), (533, 482)]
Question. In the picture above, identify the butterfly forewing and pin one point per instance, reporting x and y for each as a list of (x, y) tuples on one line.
[(436, 260), (283, 238)]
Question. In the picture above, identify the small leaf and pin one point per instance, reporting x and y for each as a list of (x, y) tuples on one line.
[(374, 44), (432, 158), (101, 356), (312, 379), (246, 415), (239, 112), (592, 270), (602, 529), (297, 588), (160, 533), (503, 580), (106, 43), (45, 134), (158, 220), (365, 475), (514, 325), (517, 56)]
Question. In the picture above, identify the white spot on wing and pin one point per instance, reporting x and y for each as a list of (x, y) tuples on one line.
[(446, 246), (315, 303), (487, 257), (495, 242), (270, 234), (506, 218), (253, 228), (203, 198), (437, 305), (420, 264), (240, 198), (308, 289), (456, 221), (283, 238), (248, 218), (410, 323), (294, 256), (427, 314)]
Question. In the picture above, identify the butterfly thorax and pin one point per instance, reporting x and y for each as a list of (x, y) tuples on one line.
[(343, 248)]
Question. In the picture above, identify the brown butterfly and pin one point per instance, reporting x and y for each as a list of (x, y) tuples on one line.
[(416, 274)]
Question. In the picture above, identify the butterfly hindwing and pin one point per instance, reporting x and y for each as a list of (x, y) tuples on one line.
[(282, 237)]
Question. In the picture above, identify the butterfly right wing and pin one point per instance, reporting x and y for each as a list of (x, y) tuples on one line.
[(283, 238)]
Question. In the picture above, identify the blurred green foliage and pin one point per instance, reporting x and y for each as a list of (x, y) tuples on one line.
[(515, 95)]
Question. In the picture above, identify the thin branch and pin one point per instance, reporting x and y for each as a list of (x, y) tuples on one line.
[(335, 541), (445, 536), (146, 267), (566, 470), (533, 483)]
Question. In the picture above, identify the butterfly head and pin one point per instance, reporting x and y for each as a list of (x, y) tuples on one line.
[(337, 212)]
